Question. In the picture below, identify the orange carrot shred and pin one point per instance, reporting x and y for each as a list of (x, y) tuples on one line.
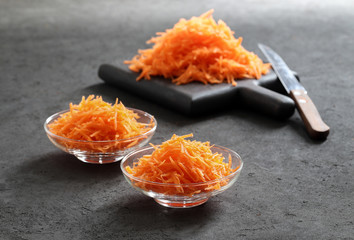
[(181, 161), (198, 49), (96, 120)]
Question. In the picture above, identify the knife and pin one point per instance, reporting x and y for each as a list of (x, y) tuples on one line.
[(314, 124)]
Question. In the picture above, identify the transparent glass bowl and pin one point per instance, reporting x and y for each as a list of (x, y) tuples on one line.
[(158, 190), (101, 152)]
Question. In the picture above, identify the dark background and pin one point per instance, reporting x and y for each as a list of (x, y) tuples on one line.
[(291, 187)]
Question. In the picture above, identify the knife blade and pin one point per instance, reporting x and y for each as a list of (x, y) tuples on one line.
[(314, 124)]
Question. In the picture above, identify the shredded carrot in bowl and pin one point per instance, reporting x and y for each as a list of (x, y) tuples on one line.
[(182, 167), (97, 126), (198, 49)]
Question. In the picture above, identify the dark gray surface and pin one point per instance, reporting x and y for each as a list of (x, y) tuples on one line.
[(291, 187)]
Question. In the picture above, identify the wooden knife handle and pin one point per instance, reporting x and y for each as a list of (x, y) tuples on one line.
[(315, 126)]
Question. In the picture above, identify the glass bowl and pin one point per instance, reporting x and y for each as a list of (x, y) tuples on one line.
[(100, 152), (158, 190)]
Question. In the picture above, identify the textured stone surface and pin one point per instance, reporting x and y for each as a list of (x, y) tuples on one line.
[(291, 187)]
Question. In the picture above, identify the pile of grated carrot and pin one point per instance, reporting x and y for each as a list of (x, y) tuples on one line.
[(198, 49), (182, 162), (96, 120)]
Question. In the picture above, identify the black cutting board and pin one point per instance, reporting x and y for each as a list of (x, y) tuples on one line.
[(265, 95)]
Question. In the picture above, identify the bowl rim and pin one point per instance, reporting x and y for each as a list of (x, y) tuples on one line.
[(50, 118), (183, 184)]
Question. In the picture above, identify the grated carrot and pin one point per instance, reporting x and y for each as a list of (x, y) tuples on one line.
[(96, 120), (180, 161), (198, 49)]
